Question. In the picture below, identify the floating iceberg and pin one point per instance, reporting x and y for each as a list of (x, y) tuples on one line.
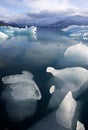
[(21, 95), (11, 31), (65, 112), (80, 126), (26, 30), (75, 28), (3, 36), (77, 31), (77, 53), (73, 77)]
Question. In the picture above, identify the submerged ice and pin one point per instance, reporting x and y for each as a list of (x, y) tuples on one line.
[(21, 95), (77, 53), (65, 112), (73, 77)]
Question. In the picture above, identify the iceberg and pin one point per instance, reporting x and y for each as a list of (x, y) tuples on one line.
[(73, 77), (80, 126), (65, 112), (77, 53), (75, 28), (26, 30), (21, 95), (3, 35), (77, 31), (11, 31)]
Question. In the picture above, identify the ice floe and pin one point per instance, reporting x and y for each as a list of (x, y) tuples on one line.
[(80, 126), (65, 112), (73, 77), (21, 95), (77, 53)]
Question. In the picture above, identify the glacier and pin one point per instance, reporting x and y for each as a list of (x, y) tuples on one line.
[(77, 53), (72, 81), (80, 126), (66, 110), (21, 94)]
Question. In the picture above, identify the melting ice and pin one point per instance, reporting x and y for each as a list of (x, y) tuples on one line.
[(77, 31), (11, 31), (80, 126), (73, 77), (65, 112), (77, 53), (21, 95)]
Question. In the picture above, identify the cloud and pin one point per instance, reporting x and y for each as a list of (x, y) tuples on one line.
[(49, 5)]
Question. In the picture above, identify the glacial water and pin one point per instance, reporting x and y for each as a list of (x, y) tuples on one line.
[(32, 53)]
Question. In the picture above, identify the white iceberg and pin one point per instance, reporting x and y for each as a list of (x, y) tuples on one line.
[(73, 77), (21, 95), (3, 35), (65, 112), (11, 31), (80, 126), (77, 53), (26, 30), (75, 28)]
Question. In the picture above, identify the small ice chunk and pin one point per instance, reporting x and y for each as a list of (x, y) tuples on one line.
[(66, 111), (77, 53), (73, 77), (52, 89), (80, 126)]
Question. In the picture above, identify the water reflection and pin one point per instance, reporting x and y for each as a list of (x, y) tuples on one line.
[(35, 54)]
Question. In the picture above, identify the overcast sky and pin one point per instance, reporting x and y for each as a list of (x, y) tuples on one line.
[(15, 7)]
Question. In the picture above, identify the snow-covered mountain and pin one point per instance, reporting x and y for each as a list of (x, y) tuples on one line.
[(48, 19), (52, 21)]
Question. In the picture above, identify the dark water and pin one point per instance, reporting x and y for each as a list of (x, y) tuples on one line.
[(35, 54)]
